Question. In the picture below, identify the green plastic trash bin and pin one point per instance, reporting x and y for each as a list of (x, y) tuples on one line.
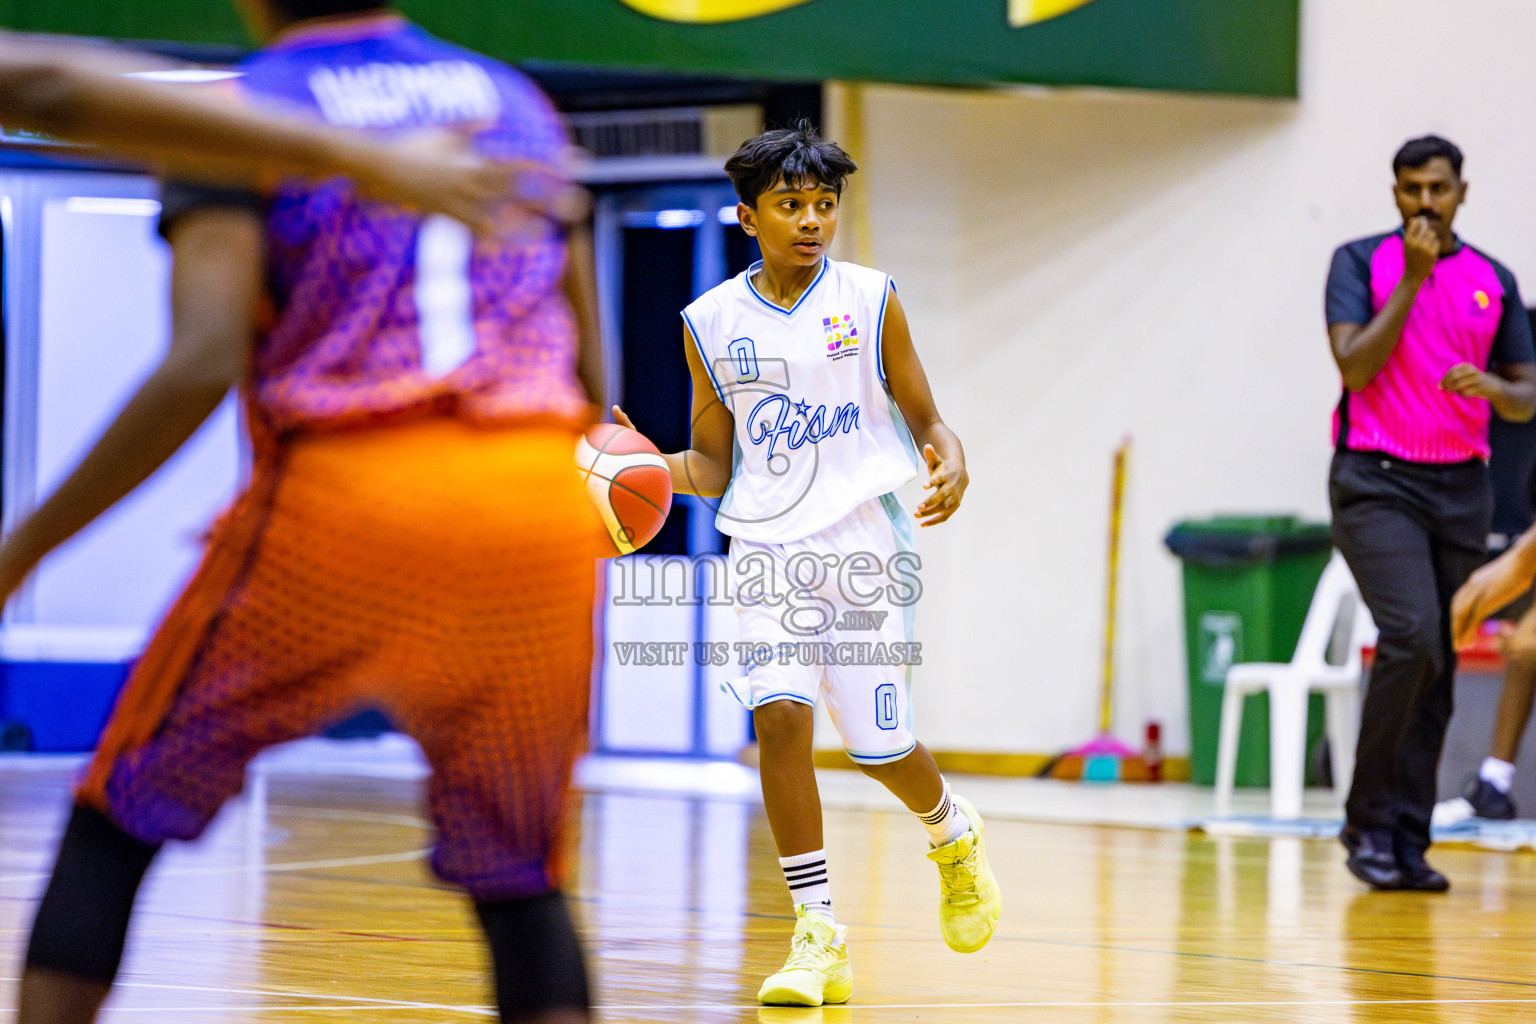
[(1247, 583)]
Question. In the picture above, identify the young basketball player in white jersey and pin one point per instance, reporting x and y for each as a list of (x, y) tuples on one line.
[(807, 399)]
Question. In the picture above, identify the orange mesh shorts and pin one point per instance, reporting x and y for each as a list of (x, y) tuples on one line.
[(440, 572)]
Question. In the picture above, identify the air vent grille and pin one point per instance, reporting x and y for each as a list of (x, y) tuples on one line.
[(671, 131)]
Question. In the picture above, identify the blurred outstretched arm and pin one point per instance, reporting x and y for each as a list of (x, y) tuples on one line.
[(80, 93), (217, 273)]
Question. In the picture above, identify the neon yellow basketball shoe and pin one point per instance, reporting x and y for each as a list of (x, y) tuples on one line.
[(817, 970), (969, 900)]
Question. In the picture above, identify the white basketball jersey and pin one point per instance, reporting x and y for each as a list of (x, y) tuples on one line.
[(817, 433)]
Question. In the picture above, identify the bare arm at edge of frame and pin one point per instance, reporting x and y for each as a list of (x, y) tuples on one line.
[(216, 278), (81, 93)]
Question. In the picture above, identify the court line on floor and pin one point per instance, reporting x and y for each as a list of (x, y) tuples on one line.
[(414, 821), (112, 1011), (363, 860), (237, 869), (332, 813), (617, 936), (1062, 1004), (351, 1001), (1265, 962), (394, 1004), (869, 1006), (480, 1011)]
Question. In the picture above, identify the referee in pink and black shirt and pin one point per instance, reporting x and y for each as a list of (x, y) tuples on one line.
[(1429, 335)]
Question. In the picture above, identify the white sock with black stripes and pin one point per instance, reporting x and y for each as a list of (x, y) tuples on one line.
[(946, 822), (806, 874)]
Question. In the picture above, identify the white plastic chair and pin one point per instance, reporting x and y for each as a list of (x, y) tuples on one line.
[(1327, 659)]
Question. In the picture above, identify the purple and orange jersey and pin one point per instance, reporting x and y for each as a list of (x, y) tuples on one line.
[(391, 567), (1467, 311), (380, 311)]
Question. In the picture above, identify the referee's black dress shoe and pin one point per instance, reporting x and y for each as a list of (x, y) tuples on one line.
[(1417, 874), (1371, 858)]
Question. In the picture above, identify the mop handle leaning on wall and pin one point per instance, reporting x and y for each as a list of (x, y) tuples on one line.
[(1111, 591)]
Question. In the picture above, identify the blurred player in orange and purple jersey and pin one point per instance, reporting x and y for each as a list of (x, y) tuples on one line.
[(412, 538)]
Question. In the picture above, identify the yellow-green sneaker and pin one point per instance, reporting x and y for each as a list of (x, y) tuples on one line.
[(817, 970), (969, 900)]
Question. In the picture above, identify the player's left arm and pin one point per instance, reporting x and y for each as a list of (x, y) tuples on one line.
[(216, 279), (1510, 384), (945, 458), (1516, 401)]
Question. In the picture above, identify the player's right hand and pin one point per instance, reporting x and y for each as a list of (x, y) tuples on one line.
[(1421, 248), (439, 171), (622, 419), (1487, 590)]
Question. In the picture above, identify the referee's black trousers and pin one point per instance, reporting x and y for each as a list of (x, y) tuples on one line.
[(1412, 533)]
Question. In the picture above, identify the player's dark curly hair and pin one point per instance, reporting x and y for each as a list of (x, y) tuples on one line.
[(798, 155), (298, 10), (1418, 152)]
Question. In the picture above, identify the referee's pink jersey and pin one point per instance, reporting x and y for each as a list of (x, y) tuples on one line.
[(1467, 311)]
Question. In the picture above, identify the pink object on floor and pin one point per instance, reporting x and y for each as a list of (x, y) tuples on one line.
[(1103, 745)]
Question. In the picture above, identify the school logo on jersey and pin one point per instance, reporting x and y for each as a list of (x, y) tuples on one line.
[(842, 336), (778, 418), (1480, 302)]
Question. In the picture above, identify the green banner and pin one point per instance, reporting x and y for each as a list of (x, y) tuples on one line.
[(1228, 46)]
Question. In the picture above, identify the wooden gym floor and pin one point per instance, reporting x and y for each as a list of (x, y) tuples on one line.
[(315, 905)]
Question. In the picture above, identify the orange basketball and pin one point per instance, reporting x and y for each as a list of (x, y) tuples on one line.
[(628, 481)]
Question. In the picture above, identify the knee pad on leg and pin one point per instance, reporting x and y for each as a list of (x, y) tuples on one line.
[(536, 955), (82, 921)]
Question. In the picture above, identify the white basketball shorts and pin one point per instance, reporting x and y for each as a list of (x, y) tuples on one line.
[(832, 614)]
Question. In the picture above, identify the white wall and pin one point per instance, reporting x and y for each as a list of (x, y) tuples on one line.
[(1079, 265)]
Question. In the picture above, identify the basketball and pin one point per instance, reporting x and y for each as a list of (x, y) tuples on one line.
[(628, 481)]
